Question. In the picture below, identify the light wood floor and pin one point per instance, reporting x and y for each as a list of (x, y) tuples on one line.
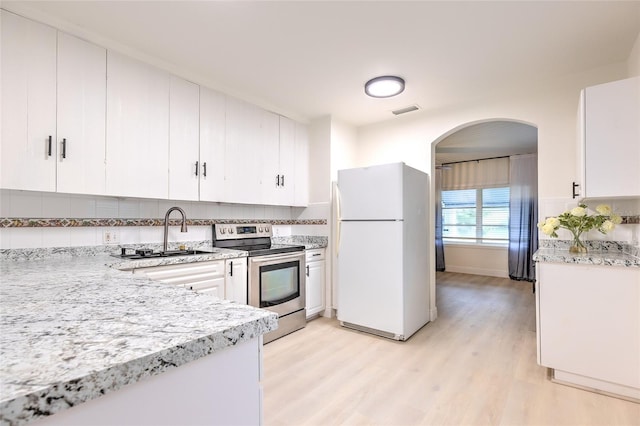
[(474, 365)]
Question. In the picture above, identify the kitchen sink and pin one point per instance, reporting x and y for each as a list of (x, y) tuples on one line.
[(149, 254)]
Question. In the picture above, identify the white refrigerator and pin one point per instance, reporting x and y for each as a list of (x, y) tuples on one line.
[(383, 249)]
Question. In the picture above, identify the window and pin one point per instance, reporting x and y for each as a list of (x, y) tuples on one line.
[(476, 215)]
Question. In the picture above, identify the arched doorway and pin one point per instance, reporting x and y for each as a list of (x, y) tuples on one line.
[(493, 139)]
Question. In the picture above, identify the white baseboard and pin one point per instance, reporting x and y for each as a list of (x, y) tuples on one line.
[(477, 271)]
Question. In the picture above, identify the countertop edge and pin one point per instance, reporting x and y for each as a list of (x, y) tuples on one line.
[(546, 255), (66, 394)]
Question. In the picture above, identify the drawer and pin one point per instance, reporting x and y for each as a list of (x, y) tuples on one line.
[(184, 273), (314, 255)]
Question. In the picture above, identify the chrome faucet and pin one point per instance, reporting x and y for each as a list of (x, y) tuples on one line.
[(183, 228)]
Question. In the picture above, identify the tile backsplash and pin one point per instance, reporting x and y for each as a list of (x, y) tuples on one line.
[(29, 204), (627, 233)]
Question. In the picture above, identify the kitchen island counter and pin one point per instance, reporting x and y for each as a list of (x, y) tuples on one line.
[(73, 329)]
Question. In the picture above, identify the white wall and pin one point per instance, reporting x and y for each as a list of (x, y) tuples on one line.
[(344, 147), (634, 59), (320, 160), (478, 260)]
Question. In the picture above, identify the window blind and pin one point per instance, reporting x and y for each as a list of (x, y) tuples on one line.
[(491, 173)]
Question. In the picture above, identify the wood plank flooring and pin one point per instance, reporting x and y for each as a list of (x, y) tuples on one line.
[(474, 365)]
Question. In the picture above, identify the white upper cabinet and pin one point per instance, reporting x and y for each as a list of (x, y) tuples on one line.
[(286, 162), (184, 110), (301, 166), (269, 142), (243, 152), (77, 118), (285, 165), (28, 145), (82, 76), (51, 140), (137, 128), (611, 139), (211, 161)]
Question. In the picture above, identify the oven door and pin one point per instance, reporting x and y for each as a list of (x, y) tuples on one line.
[(277, 282)]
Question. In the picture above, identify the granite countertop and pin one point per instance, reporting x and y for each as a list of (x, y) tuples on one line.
[(215, 254), (596, 257), (309, 242), (72, 328)]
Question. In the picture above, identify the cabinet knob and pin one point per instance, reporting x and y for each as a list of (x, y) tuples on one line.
[(307, 270), (49, 147), (197, 167), (575, 186)]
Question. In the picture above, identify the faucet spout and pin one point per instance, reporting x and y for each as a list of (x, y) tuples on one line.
[(183, 227)]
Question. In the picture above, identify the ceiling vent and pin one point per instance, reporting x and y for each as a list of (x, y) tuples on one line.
[(405, 110)]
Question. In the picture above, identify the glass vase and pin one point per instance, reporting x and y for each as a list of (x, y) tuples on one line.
[(577, 246)]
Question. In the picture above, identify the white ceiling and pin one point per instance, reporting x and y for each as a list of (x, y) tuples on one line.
[(487, 140), (308, 59)]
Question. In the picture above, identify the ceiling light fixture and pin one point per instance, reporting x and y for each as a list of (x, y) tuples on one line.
[(384, 87)]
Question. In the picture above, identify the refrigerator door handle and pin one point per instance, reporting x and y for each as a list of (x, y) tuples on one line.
[(339, 219)]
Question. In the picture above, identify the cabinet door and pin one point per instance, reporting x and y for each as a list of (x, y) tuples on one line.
[(236, 280), (589, 321), (612, 139), (301, 166), (212, 145), (268, 143), (28, 104), (184, 105), (285, 163), (243, 153), (315, 287), (82, 76), (137, 128), (213, 287)]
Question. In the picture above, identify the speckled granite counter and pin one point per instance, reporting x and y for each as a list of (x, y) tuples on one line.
[(216, 254), (309, 242), (605, 253), (72, 329)]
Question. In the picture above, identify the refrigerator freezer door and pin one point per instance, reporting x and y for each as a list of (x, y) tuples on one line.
[(370, 275), (371, 193)]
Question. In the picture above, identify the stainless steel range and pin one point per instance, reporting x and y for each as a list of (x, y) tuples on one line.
[(276, 277)]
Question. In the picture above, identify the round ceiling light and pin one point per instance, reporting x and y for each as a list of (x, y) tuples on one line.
[(384, 87)]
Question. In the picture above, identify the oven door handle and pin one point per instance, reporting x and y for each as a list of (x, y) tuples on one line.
[(279, 256)]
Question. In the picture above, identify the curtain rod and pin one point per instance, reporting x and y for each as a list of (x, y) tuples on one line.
[(479, 159)]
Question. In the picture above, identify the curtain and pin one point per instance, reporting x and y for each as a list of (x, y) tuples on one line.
[(439, 245), (523, 216)]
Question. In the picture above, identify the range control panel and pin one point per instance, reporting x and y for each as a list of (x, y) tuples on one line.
[(234, 231)]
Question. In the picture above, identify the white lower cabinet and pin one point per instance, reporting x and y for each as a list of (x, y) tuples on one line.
[(315, 281), (225, 279), (236, 280), (588, 326)]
